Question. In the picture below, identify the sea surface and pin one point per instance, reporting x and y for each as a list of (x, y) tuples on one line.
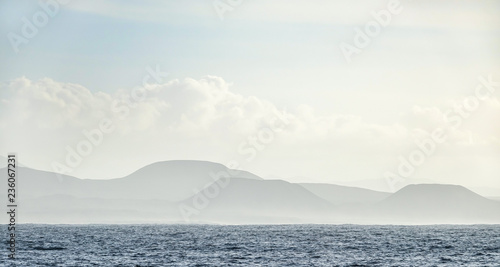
[(262, 245)]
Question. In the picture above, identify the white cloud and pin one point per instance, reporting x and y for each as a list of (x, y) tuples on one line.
[(204, 119)]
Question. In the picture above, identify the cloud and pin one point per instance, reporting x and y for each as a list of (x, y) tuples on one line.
[(197, 117), (204, 119)]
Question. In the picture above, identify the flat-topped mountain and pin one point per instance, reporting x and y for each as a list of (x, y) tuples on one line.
[(160, 192), (168, 180), (178, 179), (437, 203)]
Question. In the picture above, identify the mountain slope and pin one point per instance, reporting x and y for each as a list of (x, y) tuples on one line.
[(256, 201), (68, 209), (170, 180), (176, 180), (337, 194), (382, 184), (435, 203), (158, 192)]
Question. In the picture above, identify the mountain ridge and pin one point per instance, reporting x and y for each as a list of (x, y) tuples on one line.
[(156, 192)]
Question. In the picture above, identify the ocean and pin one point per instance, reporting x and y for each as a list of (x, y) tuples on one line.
[(254, 245)]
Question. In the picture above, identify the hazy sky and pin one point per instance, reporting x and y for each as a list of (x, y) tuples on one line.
[(227, 79)]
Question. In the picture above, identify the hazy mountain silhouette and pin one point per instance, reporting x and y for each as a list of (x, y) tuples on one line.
[(156, 193), (69, 209), (382, 184), (258, 201), (169, 180), (338, 195), (178, 179), (489, 192), (436, 203)]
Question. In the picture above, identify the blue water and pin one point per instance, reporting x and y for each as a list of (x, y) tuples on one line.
[(266, 245)]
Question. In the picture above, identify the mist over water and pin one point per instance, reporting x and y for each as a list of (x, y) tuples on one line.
[(264, 245)]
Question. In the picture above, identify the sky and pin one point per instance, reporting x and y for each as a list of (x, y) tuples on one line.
[(217, 75)]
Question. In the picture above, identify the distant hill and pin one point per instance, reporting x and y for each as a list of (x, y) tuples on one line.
[(178, 179), (69, 209), (257, 201), (488, 192), (158, 193), (435, 203), (338, 195), (169, 180), (382, 184)]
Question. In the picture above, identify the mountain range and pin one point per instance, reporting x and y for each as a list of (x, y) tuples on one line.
[(206, 192)]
